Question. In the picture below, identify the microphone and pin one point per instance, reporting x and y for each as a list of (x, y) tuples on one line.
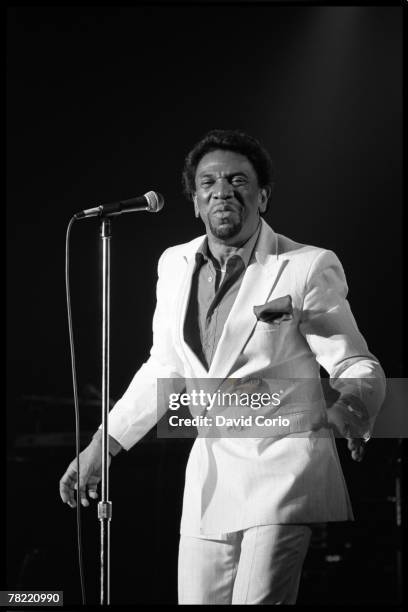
[(152, 201)]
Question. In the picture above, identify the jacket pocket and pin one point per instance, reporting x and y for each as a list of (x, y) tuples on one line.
[(263, 326)]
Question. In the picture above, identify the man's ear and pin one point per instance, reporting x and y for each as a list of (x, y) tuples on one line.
[(264, 194), (196, 211)]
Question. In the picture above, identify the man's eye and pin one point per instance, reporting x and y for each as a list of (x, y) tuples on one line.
[(206, 183), (238, 180)]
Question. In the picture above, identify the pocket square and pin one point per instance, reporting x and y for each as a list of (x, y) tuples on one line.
[(275, 311)]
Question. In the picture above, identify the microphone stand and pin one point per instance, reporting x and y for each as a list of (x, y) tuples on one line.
[(105, 506)]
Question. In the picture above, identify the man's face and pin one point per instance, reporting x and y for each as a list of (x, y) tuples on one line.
[(228, 196)]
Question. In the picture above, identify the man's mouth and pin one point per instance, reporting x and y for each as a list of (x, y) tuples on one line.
[(226, 211), (223, 213)]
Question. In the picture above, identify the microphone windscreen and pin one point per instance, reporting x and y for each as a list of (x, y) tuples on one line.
[(155, 201)]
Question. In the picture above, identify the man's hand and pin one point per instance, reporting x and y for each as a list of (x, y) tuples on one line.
[(349, 423), (90, 468), (356, 446)]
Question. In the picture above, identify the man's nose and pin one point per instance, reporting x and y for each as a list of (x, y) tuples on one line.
[(223, 189)]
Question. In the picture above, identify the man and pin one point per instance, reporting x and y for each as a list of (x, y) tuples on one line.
[(245, 302)]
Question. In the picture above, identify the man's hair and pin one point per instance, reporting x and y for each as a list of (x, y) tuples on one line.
[(228, 140)]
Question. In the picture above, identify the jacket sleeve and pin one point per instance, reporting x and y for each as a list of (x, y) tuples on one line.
[(330, 329), (137, 411)]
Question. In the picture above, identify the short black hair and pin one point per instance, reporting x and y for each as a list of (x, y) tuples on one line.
[(228, 140)]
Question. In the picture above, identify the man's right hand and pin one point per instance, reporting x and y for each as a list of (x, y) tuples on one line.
[(90, 468)]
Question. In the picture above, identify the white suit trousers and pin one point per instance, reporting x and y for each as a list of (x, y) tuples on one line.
[(259, 565)]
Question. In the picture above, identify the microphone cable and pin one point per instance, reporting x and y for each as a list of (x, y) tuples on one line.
[(76, 407)]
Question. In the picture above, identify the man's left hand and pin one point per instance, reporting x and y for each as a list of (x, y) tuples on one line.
[(356, 446), (349, 423)]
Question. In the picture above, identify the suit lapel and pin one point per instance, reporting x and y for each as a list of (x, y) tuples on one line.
[(189, 265), (258, 283)]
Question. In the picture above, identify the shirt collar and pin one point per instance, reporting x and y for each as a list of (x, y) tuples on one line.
[(244, 251)]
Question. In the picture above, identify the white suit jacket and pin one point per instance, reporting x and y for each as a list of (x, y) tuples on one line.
[(236, 483)]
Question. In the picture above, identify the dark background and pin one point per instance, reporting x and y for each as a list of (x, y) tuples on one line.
[(104, 103)]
